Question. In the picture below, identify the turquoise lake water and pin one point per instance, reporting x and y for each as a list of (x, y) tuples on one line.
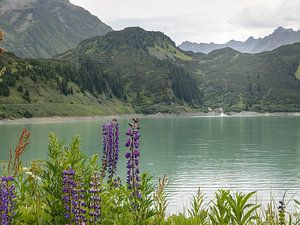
[(237, 153)]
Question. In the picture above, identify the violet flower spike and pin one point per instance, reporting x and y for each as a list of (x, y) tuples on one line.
[(7, 200), (95, 200), (110, 149), (132, 165), (73, 198)]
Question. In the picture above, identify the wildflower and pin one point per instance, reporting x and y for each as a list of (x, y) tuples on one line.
[(73, 198), (110, 149), (95, 199), (132, 165), (7, 202), (79, 206), (104, 151)]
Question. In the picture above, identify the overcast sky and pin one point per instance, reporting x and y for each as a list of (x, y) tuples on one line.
[(198, 20)]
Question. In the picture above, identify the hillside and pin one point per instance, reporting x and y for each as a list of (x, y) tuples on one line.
[(131, 70), (237, 81), (39, 88), (279, 37), (44, 28), (134, 70), (148, 65)]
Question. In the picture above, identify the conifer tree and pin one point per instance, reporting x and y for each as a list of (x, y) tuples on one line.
[(1, 51)]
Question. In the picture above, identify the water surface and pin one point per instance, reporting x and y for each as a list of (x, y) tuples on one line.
[(236, 153)]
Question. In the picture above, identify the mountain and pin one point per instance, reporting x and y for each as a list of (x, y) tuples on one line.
[(268, 81), (279, 37), (134, 70), (124, 71), (148, 65), (44, 28)]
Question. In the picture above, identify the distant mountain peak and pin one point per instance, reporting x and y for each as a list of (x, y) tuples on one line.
[(282, 29), (279, 29), (44, 28), (280, 36)]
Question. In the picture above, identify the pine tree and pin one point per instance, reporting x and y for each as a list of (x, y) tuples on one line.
[(2, 71)]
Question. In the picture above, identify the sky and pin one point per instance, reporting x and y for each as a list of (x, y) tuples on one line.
[(198, 20)]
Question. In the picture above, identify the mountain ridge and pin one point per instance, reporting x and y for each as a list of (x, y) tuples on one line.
[(43, 28), (280, 36)]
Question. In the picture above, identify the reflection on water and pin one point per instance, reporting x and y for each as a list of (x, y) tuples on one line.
[(243, 154)]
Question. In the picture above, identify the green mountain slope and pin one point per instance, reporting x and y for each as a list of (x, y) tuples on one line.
[(44, 28), (149, 67), (130, 70), (134, 70), (49, 87), (238, 81)]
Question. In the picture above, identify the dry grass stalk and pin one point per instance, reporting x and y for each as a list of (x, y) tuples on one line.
[(19, 150)]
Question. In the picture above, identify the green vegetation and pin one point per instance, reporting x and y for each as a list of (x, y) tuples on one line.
[(297, 74), (2, 70), (134, 70), (42, 29), (250, 82)]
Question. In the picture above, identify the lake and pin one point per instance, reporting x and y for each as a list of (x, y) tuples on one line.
[(236, 153)]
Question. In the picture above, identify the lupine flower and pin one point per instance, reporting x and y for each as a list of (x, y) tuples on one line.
[(73, 198), (110, 149), (7, 202), (133, 171), (95, 200), (68, 190), (79, 207), (104, 151)]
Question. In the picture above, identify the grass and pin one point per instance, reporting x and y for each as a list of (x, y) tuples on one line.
[(297, 73), (168, 52)]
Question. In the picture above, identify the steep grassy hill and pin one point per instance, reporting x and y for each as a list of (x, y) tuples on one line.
[(44, 28)]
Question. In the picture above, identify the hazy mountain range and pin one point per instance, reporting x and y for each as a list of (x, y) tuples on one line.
[(44, 28), (279, 37)]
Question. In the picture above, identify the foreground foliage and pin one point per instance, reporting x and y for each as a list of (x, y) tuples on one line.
[(70, 187)]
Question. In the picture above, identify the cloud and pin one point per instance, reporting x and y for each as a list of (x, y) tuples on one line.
[(194, 26), (199, 20), (261, 17)]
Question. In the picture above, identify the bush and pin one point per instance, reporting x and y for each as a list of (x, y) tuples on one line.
[(26, 96), (27, 114), (20, 88)]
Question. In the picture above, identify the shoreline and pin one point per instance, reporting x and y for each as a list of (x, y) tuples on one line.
[(65, 119)]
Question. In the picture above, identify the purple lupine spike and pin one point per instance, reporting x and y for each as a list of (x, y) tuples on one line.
[(95, 200), (110, 149), (68, 192), (79, 207), (116, 147), (132, 165), (73, 198), (7, 200), (104, 149)]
